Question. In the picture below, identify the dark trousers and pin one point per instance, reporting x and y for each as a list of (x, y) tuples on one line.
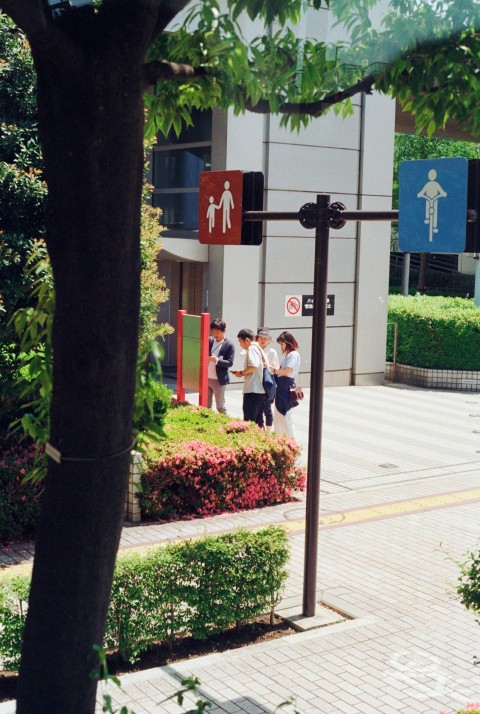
[(266, 410), (252, 406)]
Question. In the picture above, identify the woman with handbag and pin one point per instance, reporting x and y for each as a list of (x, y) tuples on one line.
[(287, 373)]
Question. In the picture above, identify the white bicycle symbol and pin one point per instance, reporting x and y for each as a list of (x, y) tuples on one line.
[(431, 192)]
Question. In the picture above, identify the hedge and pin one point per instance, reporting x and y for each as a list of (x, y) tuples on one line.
[(435, 332), (192, 588), (246, 468)]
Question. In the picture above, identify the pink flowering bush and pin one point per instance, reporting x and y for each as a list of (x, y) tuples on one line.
[(472, 708), (248, 469), (19, 500), (236, 427)]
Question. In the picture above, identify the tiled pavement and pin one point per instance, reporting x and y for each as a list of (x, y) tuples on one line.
[(411, 646)]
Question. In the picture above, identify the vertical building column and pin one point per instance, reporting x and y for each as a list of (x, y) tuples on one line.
[(373, 248)]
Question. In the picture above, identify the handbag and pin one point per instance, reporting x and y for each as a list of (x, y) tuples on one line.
[(295, 394)]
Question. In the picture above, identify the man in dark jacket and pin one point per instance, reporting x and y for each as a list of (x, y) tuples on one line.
[(221, 355)]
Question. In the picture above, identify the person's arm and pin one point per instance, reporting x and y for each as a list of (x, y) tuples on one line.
[(285, 372), (247, 370), (273, 361), (253, 362), (226, 360)]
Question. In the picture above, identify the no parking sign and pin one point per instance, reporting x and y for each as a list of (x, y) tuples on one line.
[(293, 305)]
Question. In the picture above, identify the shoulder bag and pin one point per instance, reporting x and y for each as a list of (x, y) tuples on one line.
[(268, 380)]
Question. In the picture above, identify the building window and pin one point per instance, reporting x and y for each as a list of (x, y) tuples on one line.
[(177, 163)]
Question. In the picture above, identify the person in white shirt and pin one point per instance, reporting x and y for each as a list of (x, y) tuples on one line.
[(264, 339), (253, 390)]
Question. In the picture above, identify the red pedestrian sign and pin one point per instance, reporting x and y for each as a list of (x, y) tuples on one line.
[(220, 208)]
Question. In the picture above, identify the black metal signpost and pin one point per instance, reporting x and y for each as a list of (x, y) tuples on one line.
[(322, 216)]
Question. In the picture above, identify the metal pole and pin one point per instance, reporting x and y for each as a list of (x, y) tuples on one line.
[(395, 349), (368, 215), (476, 297), (316, 405), (406, 273), (270, 216)]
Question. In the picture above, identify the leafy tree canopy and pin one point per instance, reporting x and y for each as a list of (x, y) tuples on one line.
[(22, 194), (427, 54)]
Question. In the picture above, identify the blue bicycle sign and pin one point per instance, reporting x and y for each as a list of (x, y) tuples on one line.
[(433, 206)]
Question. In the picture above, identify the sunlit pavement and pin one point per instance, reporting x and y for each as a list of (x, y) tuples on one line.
[(399, 509)]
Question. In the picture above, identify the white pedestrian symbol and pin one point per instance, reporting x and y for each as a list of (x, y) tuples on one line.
[(211, 214), (431, 192), (226, 204)]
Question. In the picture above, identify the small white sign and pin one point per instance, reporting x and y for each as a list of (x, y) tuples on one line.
[(293, 305)]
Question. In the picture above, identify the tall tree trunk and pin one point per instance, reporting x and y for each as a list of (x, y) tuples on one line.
[(91, 118)]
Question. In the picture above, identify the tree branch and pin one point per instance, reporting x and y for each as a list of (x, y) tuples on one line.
[(154, 72), (315, 109)]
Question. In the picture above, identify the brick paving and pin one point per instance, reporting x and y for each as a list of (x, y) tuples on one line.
[(411, 646)]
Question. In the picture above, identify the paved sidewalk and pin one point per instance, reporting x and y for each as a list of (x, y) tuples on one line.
[(400, 495)]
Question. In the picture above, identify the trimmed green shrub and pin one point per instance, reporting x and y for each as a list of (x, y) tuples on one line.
[(435, 332), (193, 588), (235, 466), (13, 611), (240, 576), (468, 589)]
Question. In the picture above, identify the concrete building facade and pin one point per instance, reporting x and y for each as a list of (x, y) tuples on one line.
[(350, 159)]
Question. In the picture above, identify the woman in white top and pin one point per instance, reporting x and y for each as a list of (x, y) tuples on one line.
[(287, 373), (264, 339)]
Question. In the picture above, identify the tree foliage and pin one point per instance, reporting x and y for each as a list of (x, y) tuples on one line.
[(22, 196), (425, 54), (27, 298)]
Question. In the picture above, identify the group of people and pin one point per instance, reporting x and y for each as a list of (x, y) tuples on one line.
[(258, 353)]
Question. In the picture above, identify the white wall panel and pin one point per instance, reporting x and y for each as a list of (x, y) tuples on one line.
[(290, 259), (327, 130), (378, 138), (307, 168)]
